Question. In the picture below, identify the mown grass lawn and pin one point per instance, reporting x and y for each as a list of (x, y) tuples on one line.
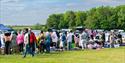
[(113, 55)]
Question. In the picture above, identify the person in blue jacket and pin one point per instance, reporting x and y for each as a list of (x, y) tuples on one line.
[(47, 42)]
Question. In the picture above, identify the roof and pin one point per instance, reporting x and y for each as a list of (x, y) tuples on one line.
[(4, 28)]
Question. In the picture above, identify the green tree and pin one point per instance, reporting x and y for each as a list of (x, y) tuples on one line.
[(53, 21), (121, 17), (62, 23), (103, 17), (80, 18), (69, 18)]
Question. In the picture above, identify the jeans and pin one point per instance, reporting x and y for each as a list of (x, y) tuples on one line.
[(47, 45), (69, 46), (28, 50), (7, 47), (42, 47), (112, 45), (64, 44), (32, 46), (21, 47)]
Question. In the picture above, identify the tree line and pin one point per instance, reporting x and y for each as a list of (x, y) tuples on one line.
[(104, 17)]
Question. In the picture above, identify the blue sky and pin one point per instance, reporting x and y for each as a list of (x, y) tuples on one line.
[(29, 12)]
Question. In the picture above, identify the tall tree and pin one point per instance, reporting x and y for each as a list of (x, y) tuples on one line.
[(53, 21), (69, 18), (121, 17), (103, 17), (80, 18)]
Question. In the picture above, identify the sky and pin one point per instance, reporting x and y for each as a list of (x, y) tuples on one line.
[(30, 12)]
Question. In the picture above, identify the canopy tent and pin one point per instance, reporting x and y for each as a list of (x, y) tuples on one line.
[(4, 28)]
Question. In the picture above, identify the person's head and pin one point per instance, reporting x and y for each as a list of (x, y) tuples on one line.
[(29, 29), (14, 33), (41, 31), (83, 30), (47, 33), (7, 33), (26, 30), (19, 31), (70, 31)]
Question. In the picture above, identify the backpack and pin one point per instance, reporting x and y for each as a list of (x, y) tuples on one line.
[(63, 37)]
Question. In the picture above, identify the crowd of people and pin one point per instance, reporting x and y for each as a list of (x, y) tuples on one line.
[(25, 41)]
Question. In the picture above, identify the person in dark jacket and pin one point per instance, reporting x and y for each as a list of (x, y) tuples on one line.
[(32, 40)]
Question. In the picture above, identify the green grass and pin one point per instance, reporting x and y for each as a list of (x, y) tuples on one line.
[(113, 55)]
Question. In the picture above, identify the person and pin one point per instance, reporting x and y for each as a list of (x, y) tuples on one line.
[(98, 39), (42, 42), (47, 42), (103, 39), (111, 40), (13, 43), (32, 40), (69, 40), (63, 40), (20, 41), (84, 37), (96, 46), (27, 48), (54, 40), (120, 39), (2, 43), (8, 39), (107, 42), (58, 35), (90, 44), (92, 34), (76, 39)]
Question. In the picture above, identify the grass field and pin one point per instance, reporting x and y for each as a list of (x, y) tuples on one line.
[(115, 55), (20, 27)]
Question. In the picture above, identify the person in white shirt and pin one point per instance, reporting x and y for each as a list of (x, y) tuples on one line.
[(26, 44), (54, 39), (61, 42), (84, 37), (2, 43), (69, 40)]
